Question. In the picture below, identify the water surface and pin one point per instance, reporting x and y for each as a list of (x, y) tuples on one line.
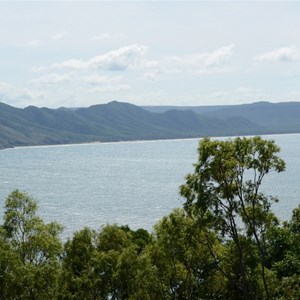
[(134, 183)]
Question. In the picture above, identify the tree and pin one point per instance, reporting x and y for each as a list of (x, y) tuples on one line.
[(184, 268), (112, 244), (106, 264), (79, 280), (223, 194), (35, 246), (284, 254)]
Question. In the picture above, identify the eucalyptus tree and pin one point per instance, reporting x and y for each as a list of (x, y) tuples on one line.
[(183, 266), (79, 280), (108, 264), (224, 195), (35, 247)]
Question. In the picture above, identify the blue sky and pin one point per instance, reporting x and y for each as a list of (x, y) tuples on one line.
[(149, 53)]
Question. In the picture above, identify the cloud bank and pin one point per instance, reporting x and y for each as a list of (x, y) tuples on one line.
[(284, 54), (121, 59)]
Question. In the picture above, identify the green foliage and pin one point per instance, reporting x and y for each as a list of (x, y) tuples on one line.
[(294, 224), (32, 249), (284, 254), (141, 237), (185, 269), (223, 194), (78, 278), (106, 264)]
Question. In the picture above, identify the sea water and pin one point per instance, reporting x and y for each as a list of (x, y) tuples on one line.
[(134, 183)]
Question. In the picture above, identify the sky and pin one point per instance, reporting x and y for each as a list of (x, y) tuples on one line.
[(76, 54)]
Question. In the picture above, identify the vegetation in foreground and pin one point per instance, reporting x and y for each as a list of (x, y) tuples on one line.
[(225, 243)]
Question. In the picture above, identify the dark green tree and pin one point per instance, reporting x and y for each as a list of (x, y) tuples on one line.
[(112, 242), (183, 265), (223, 194), (284, 256), (9, 266), (79, 280), (108, 264)]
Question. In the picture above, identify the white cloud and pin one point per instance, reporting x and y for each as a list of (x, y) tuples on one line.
[(53, 78), (124, 58), (218, 56), (197, 63), (282, 54), (8, 90), (30, 94), (60, 35), (19, 96), (202, 60), (101, 37), (133, 58)]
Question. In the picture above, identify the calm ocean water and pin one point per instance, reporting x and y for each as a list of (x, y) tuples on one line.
[(134, 183)]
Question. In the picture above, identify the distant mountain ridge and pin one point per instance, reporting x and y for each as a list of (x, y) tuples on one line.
[(118, 121)]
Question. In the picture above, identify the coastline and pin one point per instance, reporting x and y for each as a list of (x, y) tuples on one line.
[(142, 140)]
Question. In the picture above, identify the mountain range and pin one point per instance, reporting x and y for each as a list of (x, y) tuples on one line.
[(118, 121)]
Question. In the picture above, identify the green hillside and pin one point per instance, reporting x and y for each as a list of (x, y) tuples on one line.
[(273, 117), (117, 121)]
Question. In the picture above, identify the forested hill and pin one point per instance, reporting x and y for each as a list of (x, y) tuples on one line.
[(281, 117), (118, 121)]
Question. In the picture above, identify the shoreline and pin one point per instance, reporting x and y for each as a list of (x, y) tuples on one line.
[(141, 141)]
